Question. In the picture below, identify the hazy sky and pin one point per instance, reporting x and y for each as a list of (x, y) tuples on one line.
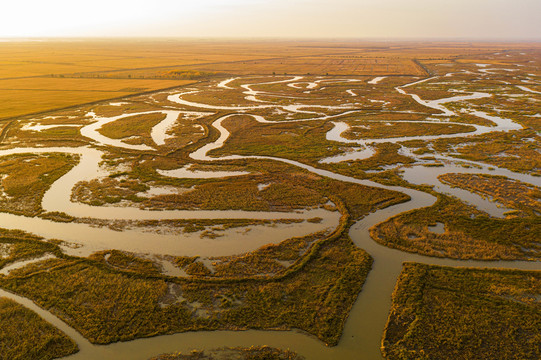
[(477, 19)]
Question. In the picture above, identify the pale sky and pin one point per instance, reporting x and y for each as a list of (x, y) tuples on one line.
[(448, 19)]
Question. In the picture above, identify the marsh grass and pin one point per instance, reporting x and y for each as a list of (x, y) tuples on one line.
[(107, 303), (237, 353), (502, 149), (125, 261), (25, 178), (137, 126), (469, 234), (399, 129), (386, 155), (460, 313), (111, 305), (302, 142), (25, 335), (19, 248), (512, 193), (289, 188)]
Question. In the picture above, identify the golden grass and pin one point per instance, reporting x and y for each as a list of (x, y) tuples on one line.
[(26, 96), (511, 193), (24, 335), (469, 233), (238, 353), (84, 84), (138, 126), (322, 65), (25, 178), (117, 305), (67, 57), (31, 65), (507, 150), (460, 313)]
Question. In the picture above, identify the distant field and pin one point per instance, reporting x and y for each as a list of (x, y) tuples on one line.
[(40, 76), (65, 57), (30, 95), (322, 65)]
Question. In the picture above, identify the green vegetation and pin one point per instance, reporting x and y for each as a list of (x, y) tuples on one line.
[(111, 305), (460, 313), (304, 142), (386, 155), (121, 298), (239, 193), (511, 193), (25, 335), (288, 188), (183, 261), (15, 247), (503, 149), (213, 96), (25, 178), (469, 233), (125, 261), (136, 127), (272, 259), (56, 136), (128, 107), (376, 130)]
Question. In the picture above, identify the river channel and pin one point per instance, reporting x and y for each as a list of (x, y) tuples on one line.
[(364, 327)]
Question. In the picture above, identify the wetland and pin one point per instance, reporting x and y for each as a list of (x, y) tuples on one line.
[(237, 209)]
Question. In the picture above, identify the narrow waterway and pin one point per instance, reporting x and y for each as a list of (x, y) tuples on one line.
[(364, 327)]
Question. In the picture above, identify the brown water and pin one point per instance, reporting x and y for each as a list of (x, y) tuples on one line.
[(364, 327)]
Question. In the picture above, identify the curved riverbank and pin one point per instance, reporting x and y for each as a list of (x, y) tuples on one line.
[(364, 327)]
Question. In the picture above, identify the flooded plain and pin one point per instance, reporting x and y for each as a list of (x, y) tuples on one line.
[(362, 333)]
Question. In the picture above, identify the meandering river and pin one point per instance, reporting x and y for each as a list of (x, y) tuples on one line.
[(364, 327)]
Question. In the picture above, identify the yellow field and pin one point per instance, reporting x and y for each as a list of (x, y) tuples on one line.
[(30, 95), (68, 57), (85, 84), (483, 61), (40, 76), (321, 65)]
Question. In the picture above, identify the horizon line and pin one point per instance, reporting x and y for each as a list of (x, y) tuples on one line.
[(277, 38)]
